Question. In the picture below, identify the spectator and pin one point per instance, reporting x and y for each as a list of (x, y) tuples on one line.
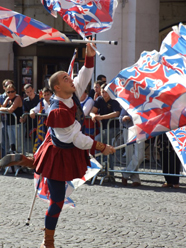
[(101, 78), (171, 162), (97, 90), (5, 83), (87, 103), (47, 93), (134, 153), (104, 109), (3, 96), (13, 104), (30, 102)]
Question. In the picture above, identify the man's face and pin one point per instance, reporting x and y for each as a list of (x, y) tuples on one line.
[(65, 84), (30, 92), (47, 96), (97, 88), (105, 95), (103, 79)]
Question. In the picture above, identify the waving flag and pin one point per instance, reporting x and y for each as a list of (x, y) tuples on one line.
[(71, 66), (86, 17), (153, 91), (43, 191), (25, 30)]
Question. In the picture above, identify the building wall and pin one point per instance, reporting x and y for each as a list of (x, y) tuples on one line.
[(133, 24)]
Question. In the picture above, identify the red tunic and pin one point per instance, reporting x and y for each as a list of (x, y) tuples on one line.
[(58, 163)]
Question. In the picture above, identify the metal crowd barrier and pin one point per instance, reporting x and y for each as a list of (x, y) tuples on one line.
[(18, 138), (113, 165), (10, 135), (152, 164), (29, 131)]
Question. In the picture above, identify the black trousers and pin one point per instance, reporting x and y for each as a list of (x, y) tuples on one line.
[(169, 159)]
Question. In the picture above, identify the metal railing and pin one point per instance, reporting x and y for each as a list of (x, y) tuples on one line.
[(113, 165)]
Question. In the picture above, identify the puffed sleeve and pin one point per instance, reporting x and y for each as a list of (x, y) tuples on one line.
[(59, 118)]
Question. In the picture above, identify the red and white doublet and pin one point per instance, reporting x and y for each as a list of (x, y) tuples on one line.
[(65, 164)]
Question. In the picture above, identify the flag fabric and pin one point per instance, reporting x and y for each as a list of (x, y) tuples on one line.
[(44, 194), (177, 138), (86, 17), (153, 90), (43, 191), (71, 66), (25, 30)]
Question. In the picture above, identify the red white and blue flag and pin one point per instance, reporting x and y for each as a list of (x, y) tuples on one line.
[(177, 138), (43, 191), (71, 66), (153, 90), (25, 30), (86, 17)]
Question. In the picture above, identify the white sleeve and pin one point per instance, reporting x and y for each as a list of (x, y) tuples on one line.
[(88, 106), (36, 108), (74, 135), (82, 80)]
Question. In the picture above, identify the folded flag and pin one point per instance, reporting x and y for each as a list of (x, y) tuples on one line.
[(86, 17), (153, 90), (25, 30)]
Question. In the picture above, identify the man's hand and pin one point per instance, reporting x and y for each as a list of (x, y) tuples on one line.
[(90, 52), (109, 150), (93, 116), (21, 119), (98, 117), (32, 114), (126, 118)]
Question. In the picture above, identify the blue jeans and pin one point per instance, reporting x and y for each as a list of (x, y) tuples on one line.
[(12, 136)]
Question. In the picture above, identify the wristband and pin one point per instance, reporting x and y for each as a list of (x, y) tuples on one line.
[(98, 146)]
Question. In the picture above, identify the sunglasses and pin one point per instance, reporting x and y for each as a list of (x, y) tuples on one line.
[(12, 91)]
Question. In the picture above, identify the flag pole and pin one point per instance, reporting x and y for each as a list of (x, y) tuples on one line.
[(109, 42), (33, 202), (116, 148)]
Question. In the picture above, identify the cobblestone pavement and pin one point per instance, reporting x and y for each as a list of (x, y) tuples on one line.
[(105, 216)]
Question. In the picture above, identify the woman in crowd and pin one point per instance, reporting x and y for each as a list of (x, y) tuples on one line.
[(13, 104)]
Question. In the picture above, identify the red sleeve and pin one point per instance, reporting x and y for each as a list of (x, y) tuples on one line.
[(89, 62), (59, 118)]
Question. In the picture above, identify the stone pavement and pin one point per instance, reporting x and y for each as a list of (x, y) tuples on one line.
[(105, 216)]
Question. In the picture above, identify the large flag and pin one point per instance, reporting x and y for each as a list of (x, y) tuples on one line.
[(153, 90), (25, 30), (86, 17)]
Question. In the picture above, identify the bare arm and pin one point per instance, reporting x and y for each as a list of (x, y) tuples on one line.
[(17, 103), (93, 114), (107, 116)]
